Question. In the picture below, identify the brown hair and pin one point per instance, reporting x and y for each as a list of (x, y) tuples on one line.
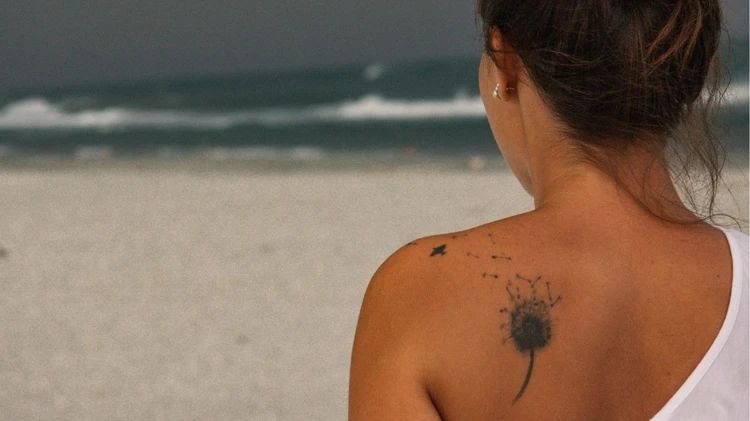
[(624, 73)]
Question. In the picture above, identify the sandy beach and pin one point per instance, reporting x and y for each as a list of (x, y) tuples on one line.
[(165, 293)]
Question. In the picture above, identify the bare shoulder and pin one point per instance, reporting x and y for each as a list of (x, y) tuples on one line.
[(424, 265), (485, 323), (432, 266), (476, 309), (388, 374), (401, 289), (418, 285)]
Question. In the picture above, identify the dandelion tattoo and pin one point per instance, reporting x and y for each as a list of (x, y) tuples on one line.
[(530, 323)]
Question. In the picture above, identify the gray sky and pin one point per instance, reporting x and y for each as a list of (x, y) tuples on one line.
[(60, 42)]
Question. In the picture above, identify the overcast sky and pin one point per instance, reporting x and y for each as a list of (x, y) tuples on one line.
[(60, 42)]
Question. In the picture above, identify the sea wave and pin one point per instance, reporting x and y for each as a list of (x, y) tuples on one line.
[(42, 114), (737, 94)]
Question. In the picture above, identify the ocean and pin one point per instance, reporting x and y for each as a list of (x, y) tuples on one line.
[(422, 107)]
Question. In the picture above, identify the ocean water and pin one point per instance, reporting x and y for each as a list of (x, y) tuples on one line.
[(429, 107)]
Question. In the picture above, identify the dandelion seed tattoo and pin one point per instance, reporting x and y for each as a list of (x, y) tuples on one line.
[(530, 323), (439, 251)]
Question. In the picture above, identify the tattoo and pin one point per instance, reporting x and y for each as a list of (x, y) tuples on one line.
[(529, 324), (439, 251)]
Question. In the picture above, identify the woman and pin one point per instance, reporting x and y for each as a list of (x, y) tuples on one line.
[(611, 300)]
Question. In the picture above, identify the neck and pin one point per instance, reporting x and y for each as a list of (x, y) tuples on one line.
[(642, 182), (560, 180)]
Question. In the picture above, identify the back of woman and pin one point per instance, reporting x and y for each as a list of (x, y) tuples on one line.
[(611, 300)]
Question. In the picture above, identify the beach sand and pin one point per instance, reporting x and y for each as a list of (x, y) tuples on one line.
[(167, 293)]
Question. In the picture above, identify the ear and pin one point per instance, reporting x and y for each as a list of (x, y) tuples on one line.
[(506, 62)]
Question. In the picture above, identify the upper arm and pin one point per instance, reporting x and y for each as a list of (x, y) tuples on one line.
[(387, 378)]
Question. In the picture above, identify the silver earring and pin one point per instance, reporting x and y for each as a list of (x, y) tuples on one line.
[(496, 92)]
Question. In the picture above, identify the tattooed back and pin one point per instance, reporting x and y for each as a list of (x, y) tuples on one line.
[(532, 318)]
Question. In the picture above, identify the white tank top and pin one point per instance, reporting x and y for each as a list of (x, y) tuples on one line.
[(718, 388)]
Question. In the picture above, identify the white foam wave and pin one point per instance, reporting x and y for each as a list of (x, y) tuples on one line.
[(40, 114), (376, 108), (737, 94)]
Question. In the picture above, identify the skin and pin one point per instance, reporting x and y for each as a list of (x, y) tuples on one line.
[(629, 303)]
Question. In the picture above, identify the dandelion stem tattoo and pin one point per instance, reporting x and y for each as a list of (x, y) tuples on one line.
[(530, 323), (528, 376)]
